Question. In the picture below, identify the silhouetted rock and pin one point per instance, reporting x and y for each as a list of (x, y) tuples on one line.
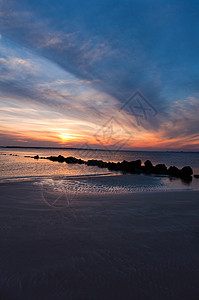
[(52, 158), (148, 164), (94, 162), (118, 166), (174, 171), (148, 167), (160, 169), (36, 157), (124, 166), (196, 176), (130, 167), (60, 158), (137, 163), (111, 166), (101, 164), (71, 160), (80, 161), (186, 171)]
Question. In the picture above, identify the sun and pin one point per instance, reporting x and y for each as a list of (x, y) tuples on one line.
[(65, 137)]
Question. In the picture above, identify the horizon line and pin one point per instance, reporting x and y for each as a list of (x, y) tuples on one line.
[(97, 149)]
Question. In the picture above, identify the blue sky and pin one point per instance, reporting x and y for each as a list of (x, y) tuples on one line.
[(75, 63)]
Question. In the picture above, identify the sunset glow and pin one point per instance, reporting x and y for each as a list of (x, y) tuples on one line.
[(62, 85)]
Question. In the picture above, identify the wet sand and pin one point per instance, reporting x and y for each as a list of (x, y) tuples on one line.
[(98, 246)]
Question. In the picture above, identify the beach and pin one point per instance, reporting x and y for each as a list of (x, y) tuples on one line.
[(104, 245), (99, 150)]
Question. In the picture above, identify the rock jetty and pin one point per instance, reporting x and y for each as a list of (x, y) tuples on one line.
[(133, 167)]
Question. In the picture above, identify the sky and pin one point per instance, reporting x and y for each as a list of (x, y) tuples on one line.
[(100, 74)]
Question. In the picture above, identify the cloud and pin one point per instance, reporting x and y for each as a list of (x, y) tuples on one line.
[(19, 66), (183, 119), (112, 64), (84, 59)]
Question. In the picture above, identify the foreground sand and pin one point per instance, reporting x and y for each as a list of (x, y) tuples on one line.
[(103, 246)]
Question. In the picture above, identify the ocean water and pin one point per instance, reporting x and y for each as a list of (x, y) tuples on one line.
[(14, 164), (75, 178)]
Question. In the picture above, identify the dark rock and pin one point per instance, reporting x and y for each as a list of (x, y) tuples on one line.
[(196, 176), (124, 166), (137, 164), (95, 162), (80, 161), (111, 166), (174, 171), (52, 158), (160, 169), (148, 164), (92, 162), (130, 167), (102, 164), (60, 158), (186, 171), (148, 167), (71, 160), (118, 166)]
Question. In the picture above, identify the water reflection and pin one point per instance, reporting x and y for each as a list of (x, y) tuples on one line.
[(174, 183), (186, 181)]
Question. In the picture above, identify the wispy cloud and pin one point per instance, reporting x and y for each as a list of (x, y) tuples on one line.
[(112, 67), (78, 62)]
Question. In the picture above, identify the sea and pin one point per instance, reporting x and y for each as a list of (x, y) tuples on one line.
[(18, 164)]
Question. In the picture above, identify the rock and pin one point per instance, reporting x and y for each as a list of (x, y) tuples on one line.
[(111, 166), (124, 166), (91, 162), (71, 160), (174, 171), (130, 167), (137, 164), (148, 164), (186, 172), (102, 164), (118, 166), (60, 158), (80, 161), (196, 176), (148, 167), (52, 158), (160, 169)]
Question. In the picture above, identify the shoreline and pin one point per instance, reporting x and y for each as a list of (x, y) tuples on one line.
[(108, 183)]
